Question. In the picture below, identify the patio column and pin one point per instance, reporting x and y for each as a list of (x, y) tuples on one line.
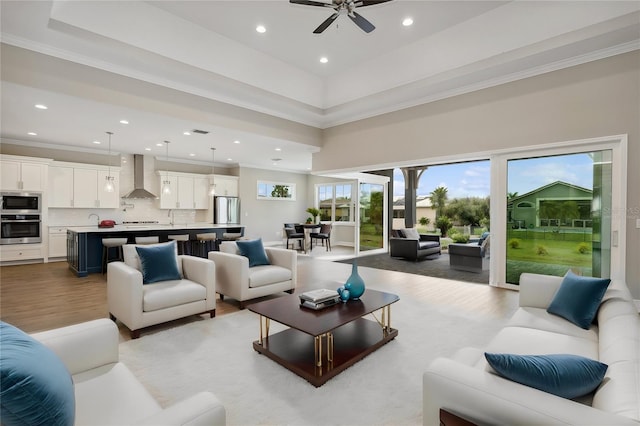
[(411, 178)]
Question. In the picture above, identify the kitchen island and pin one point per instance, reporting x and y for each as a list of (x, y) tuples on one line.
[(84, 243)]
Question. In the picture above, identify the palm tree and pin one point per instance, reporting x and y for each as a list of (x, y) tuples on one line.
[(438, 198), (511, 195)]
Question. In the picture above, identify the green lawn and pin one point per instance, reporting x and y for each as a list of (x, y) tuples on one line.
[(558, 252)]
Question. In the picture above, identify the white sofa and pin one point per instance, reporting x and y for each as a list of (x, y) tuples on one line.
[(139, 305), (235, 279), (465, 386), (107, 393)]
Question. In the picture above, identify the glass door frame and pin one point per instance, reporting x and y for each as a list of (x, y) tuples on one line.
[(618, 146)]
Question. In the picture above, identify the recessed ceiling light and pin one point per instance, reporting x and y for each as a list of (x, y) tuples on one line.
[(261, 29), (124, 122), (324, 60), (147, 149), (97, 142), (192, 155), (187, 133), (32, 134), (229, 159), (278, 149), (236, 141), (40, 106), (407, 22), (159, 144)]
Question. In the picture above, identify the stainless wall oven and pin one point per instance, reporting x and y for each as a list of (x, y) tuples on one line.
[(21, 229), (20, 215)]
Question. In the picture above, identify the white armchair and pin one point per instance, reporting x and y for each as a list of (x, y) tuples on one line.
[(107, 393), (235, 279), (139, 305)]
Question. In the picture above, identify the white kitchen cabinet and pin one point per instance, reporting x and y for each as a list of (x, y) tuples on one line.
[(201, 199), (82, 186), (19, 252), (22, 175), (188, 191), (226, 185), (60, 186), (57, 242)]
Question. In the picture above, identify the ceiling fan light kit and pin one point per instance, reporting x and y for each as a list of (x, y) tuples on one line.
[(343, 7)]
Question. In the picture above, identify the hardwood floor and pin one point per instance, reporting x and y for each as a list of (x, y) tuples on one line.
[(44, 296)]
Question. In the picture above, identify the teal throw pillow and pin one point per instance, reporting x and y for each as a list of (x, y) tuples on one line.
[(159, 262), (482, 238), (35, 386), (578, 298), (254, 251), (564, 375)]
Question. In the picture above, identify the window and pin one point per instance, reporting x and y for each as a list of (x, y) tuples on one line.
[(276, 191), (335, 202)]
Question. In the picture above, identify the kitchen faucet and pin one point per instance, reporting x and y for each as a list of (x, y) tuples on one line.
[(170, 214), (93, 214)]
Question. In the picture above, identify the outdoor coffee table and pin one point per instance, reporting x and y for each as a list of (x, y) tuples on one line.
[(321, 344)]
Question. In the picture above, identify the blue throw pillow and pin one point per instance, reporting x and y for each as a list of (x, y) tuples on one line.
[(159, 262), (253, 250), (578, 299), (568, 376), (35, 386), (482, 238)]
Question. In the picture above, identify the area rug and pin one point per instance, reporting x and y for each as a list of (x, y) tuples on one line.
[(385, 388), (431, 266)]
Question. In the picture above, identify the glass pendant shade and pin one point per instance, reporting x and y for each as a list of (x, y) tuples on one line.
[(109, 180), (212, 186)]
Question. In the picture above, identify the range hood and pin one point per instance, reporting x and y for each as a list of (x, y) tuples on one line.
[(138, 180)]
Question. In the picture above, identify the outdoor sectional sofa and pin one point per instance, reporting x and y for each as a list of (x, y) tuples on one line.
[(407, 243), (466, 386)]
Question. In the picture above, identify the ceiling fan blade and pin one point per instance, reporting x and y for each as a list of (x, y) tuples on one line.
[(362, 3), (326, 23), (311, 3), (364, 25)]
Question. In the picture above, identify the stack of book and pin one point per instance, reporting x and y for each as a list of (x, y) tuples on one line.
[(318, 299)]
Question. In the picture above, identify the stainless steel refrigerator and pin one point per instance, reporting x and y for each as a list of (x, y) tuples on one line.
[(226, 210)]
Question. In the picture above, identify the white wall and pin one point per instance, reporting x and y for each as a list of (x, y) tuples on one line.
[(596, 99)]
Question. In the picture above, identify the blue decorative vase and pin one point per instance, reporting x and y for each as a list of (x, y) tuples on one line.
[(355, 283)]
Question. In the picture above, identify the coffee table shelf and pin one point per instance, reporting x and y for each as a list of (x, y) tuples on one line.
[(341, 330)]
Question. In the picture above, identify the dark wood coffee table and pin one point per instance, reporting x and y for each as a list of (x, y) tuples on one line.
[(321, 344)]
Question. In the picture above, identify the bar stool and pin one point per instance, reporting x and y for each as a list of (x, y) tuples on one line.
[(147, 240), (109, 243), (232, 234), (205, 243), (181, 240)]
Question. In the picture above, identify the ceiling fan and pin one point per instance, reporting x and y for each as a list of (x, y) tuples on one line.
[(343, 7)]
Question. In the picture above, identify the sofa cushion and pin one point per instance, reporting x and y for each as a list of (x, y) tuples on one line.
[(268, 274), (540, 319), (254, 251), (131, 257), (424, 245), (565, 375), (411, 233), (36, 387), (159, 262), (578, 298), (167, 294)]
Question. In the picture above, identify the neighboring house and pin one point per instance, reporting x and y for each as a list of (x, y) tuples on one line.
[(423, 209), (556, 204)]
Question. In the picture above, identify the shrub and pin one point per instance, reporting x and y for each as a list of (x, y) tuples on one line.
[(584, 248), (460, 238), (514, 243), (541, 251), (443, 223)]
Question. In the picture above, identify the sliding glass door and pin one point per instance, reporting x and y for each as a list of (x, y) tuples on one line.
[(371, 216), (557, 208), (555, 219)]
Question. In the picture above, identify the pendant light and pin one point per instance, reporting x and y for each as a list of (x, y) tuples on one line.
[(166, 184), (212, 187), (109, 180)]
